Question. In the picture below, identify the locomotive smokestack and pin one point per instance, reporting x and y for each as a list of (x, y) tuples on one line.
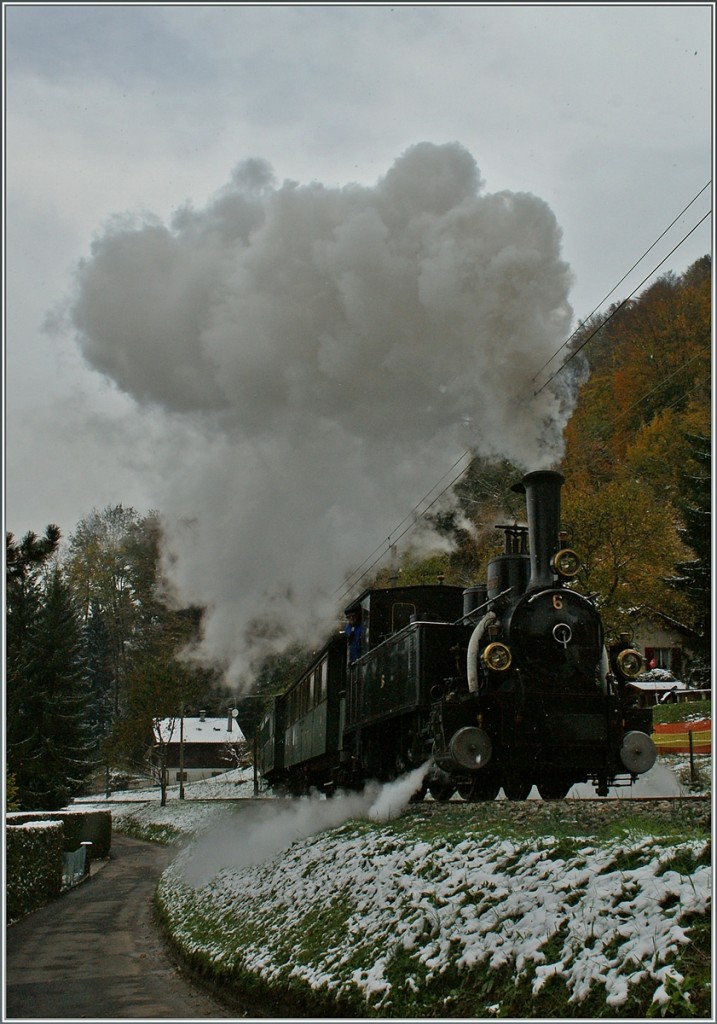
[(542, 497)]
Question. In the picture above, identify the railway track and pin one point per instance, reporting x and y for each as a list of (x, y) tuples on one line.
[(588, 815), (455, 802)]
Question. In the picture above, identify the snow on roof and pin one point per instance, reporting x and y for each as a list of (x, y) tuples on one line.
[(657, 685), (198, 730)]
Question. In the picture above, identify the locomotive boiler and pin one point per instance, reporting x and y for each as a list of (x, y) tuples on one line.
[(507, 684)]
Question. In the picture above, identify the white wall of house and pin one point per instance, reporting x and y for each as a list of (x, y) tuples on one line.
[(663, 645)]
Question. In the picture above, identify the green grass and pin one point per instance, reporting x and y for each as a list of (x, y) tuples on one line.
[(683, 711), (221, 946), (164, 834)]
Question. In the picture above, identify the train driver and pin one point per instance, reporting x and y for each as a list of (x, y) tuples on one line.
[(354, 632)]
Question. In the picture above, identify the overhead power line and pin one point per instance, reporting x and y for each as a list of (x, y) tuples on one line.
[(382, 549), (625, 275), (619, 307), (660, 384), (412, 517)]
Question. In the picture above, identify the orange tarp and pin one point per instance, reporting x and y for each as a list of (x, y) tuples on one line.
[(673, 738)]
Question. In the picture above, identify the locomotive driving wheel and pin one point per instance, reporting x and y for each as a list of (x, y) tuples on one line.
[(480, 787), (554, 787), (441, 790), (516, 787)]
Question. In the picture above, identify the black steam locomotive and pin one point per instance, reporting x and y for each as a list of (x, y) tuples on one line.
[(506, 684)]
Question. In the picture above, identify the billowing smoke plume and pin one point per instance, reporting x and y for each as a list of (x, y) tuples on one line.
[(244, 834), (330, 352)]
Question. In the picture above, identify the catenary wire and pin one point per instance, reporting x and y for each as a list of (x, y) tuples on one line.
[(619, 306), (386, 545), (624, 276), (660, 384), (381, 549)]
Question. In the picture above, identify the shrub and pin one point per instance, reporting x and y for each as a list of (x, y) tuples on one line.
[(79, 827), (33, 865)]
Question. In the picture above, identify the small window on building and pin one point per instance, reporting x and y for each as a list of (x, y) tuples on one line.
[(181, 776), (664, 657)]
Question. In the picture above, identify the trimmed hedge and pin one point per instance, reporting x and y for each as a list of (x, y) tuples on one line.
[(35, 842), (80, 827), (33, 865)]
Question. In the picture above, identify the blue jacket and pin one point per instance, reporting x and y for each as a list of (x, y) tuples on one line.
[(354, 634)]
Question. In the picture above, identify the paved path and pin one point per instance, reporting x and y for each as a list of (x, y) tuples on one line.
[(97, 953)]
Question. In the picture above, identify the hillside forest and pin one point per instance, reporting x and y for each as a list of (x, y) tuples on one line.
[(94, 640)]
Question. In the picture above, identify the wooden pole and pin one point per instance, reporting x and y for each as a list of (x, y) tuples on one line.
[(692, 757), (181, 754)]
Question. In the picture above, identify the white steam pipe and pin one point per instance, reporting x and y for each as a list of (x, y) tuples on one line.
[(473, 645)]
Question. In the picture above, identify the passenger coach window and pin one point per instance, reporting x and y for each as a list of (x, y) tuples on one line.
[(401, 613), (316, 695)]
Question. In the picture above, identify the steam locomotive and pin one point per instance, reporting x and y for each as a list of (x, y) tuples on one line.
[(507, 684)]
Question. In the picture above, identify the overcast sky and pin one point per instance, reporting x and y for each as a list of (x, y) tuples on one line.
[(154, 147)]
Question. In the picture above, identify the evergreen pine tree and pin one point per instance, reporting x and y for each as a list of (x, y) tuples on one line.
[(695, 576), (25, 564), (48, 741)]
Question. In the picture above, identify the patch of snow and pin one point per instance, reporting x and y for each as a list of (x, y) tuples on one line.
[(485, 900), (258, 868)]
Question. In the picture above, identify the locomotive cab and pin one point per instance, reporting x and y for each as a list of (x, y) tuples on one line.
[(388, 610)]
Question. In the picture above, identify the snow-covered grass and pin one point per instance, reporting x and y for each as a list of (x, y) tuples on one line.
[(345, 907), (392, 921), (230, 785)]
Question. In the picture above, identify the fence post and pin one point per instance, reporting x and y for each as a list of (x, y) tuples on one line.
[(692, 757), (88, 854)]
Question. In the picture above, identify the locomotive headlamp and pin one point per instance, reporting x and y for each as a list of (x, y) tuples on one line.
[(497, 657), (566, 563), (629, 663)]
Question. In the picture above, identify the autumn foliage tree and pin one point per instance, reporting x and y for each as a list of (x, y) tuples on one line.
[(636, 500), (134, 634), (626, 541), (693, 577), (649, 377), (630, 458)]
